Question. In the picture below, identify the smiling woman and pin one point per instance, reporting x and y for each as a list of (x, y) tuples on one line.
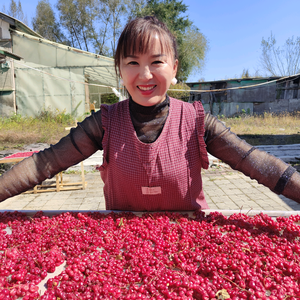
[(146, 60), (148, 76)]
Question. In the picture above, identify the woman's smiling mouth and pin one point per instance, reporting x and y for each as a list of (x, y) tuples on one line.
[(146, 88)]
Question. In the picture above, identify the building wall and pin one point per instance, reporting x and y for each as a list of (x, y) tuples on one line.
[(7, 93), (263, 97), (49, 76), (4, 32), (39, 91)]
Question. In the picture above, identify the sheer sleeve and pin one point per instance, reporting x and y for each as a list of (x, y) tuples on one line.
[(265, 168), (79, 144)]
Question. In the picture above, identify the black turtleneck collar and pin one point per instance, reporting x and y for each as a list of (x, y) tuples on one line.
[(148, 110), (148, 121)]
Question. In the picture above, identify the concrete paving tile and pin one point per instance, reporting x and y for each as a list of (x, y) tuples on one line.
[(8, 202), (231, 191), (90, 200), (101, 206), (51, 207), (33, 207), (270, 201), (267, 207), (250, 192), (216, 192), (208, 184), (239, 197), (14, 201), (281, 208), (270, 194), (262, 188), (252, 207), (70, 207), (281, 203), (212, 206), (224, 182), (216, 178), (16, 206), (243, 185), (70, 201), (217, 200), (255, 184), (38, 202), (62, 195), (78, 193), (95, 194), (238, 182), (222, 206), (22, 197), (88, 207), (47, 196), (232, 176)]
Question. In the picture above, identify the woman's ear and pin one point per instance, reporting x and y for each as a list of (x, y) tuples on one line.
[(121, 81), (175, 67)]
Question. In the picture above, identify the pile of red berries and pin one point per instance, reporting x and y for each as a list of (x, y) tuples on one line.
[(155, 256)]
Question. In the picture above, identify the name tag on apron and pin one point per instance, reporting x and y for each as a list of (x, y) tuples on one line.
[(155, 190)]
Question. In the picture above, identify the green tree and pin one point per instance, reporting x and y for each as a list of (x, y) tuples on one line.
[(93, 25), (110, 16), (192, 52), (192, 44), (77, 18), (45, 23), (280, 61), (15, 10)]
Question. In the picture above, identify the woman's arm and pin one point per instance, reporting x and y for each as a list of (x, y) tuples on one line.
[(265, 168), (79, 144)]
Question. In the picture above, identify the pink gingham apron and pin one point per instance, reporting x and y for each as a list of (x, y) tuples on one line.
[(163, 175)]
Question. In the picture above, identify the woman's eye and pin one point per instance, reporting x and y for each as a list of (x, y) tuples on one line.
[(132, 63)]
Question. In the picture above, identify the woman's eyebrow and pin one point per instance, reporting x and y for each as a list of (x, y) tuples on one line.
[(131, 56), (158, 55), (153, 56)]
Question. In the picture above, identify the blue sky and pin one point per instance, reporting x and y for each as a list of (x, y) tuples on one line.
[(233, 28)]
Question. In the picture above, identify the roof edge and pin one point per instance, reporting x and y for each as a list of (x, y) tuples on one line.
[(234, 79), (18, 24), (43, 40)]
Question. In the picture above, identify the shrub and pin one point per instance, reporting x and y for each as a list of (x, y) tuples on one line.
[(109, 98), (55, 116), (181, 95)]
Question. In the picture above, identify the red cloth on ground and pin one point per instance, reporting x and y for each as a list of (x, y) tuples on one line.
[(21, 154)]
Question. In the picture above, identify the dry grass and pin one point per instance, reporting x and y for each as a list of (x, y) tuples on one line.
[(18, 131), (49, 127), (266, 124)]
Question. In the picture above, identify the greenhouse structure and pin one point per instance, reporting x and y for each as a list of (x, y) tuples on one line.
[(37, 74)]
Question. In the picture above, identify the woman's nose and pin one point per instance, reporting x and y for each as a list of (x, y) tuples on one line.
[(145, 73)]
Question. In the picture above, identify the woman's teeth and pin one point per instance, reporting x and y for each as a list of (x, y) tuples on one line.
[(146, 88)]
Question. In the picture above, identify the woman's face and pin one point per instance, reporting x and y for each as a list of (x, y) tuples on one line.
[(148, 76)]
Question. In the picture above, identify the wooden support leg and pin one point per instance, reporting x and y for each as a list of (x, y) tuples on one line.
[(57, 182), (82, 176)]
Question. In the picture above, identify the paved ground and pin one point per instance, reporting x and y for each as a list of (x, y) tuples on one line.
[(225, 189)]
